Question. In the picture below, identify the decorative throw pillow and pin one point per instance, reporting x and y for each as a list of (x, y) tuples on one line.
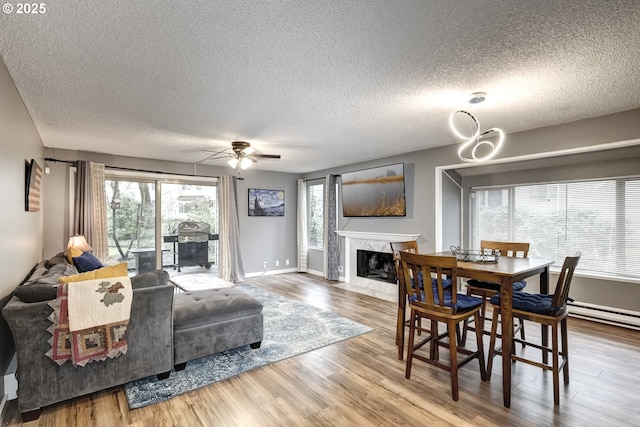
[(87, 262), (44, 287), (117, 270), (73, 253), (59, 258)]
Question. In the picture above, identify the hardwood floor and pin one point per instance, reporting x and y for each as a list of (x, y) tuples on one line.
[(360, 382)]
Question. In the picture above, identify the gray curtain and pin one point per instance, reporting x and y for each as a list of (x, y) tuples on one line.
[(90, 207), (231, 268), (331, 244), (302, 226)]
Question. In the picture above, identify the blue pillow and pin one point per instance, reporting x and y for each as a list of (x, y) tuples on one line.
[(87, 262)]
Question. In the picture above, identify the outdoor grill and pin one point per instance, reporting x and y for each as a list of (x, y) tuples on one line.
[(190, 244)]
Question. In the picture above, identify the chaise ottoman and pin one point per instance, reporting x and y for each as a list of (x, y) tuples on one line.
[(214, 320)]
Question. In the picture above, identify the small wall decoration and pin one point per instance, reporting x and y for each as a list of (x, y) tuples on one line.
[(33, 179), (266, 202)]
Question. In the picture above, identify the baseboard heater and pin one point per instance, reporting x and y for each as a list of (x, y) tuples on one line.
[(609, 315)]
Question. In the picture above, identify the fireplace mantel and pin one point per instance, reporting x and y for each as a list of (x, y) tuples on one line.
[(381, 237), (374, 241)]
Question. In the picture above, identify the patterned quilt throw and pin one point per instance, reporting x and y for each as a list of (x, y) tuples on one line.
[(90, 320)]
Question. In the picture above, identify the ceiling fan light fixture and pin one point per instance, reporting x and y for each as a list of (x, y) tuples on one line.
[(246, 162), (233, 162)]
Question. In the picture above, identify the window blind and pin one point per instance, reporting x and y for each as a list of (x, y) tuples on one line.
[(600, 219)]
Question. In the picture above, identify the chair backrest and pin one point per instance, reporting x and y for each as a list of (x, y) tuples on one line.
[(512, 249), (396, 247), (419, 267), (561, 294)]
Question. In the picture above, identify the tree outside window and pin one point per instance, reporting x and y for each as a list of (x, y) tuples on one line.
[(316, 218)]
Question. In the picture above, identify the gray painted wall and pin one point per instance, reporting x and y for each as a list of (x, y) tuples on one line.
[(451, 210), (21, 230)]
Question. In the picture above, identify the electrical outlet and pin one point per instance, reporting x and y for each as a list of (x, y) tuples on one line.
[(277, 263), (266, 266), (340, 268), (286, 262)]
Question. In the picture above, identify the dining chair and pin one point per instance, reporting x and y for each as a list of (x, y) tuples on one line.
[(550, 310), (402, 323), (486, 290), (433, 301)]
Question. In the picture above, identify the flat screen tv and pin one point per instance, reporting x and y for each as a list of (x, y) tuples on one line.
[(374, 192)]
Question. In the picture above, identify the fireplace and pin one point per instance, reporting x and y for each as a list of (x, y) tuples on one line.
[(375, 242), (376, 265)]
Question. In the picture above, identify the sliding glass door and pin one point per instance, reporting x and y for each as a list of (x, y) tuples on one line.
[(189, 225), (131, 218), (156, 222)]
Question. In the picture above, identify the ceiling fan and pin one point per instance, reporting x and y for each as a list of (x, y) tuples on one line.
[(241, 155)]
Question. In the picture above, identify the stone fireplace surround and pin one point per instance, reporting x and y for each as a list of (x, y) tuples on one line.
[(370, 241)]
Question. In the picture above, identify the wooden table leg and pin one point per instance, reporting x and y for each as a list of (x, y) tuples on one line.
[(402, 301), (506, 292)]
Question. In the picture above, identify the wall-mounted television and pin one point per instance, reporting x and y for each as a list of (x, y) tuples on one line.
[(376, 191)]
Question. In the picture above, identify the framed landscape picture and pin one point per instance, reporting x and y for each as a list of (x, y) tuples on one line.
[(266, 202), (374, 192)]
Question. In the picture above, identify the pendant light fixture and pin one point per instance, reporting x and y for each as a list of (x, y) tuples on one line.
[(475, 141)]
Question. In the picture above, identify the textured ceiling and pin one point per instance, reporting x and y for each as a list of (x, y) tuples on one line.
[(323, 83)]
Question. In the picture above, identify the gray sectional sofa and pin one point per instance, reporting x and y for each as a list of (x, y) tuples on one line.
[(42, 382), (165, 329)]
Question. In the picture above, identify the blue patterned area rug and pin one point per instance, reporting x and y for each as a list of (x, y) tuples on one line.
[(290, 328)]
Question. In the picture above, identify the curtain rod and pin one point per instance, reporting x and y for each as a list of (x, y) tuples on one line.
[(50, 159), (320, 177), (75, 162)]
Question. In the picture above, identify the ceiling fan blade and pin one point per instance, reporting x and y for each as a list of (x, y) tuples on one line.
[(221, 154), (266, 156)]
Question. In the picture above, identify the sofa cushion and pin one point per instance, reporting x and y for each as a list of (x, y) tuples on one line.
[(42, 285), (87, 262), (199, 308), (58, 258), (117, 270), (73, 253), (150, 279)]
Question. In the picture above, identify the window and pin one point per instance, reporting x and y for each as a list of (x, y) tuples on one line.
[(316, 216), (132, 209), (600, 218)]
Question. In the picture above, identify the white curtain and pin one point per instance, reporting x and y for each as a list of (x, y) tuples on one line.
[(331, 248), (230, 259), (302, 226), (90, 207)]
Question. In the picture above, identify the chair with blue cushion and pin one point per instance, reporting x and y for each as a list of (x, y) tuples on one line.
[(486, 290), (438, 303), (550, 310), (396, 247), (402, 322)]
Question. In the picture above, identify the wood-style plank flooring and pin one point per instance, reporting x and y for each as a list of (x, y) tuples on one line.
[(360, 382)]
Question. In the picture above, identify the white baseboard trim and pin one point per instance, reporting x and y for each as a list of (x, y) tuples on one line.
[(270, 272), (3, 407), (10, 381), (289, 270), (10, 387), (609, 315)]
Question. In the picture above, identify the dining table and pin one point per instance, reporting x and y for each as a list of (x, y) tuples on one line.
[(506, 271)]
